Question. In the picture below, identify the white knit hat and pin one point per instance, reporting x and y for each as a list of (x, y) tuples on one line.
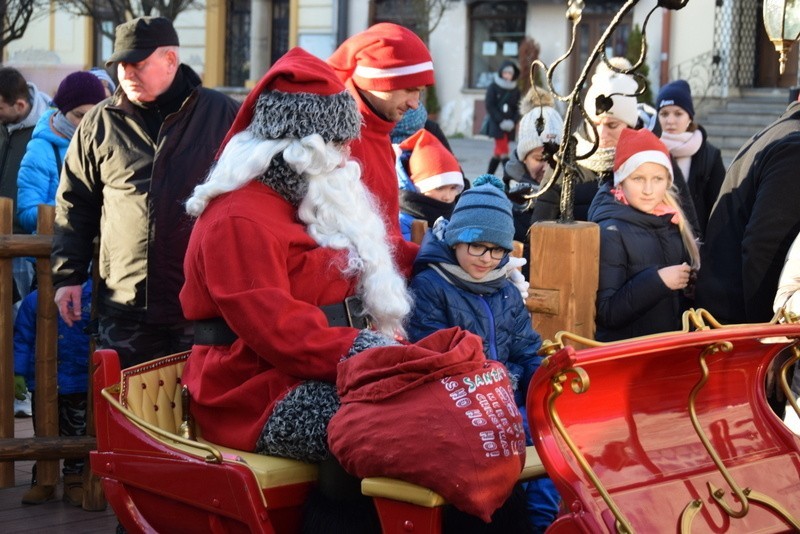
[(528, 138), (620, 88)]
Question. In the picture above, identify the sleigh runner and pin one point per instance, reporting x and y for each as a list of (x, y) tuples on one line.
[(666, 433)]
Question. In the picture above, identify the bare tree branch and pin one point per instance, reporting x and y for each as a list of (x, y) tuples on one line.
[(16, 14), (118, 11)]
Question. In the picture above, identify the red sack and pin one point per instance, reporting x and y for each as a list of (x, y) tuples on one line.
[(435, 413)]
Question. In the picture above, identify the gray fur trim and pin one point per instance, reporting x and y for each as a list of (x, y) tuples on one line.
[(280, 115), (284, 180), (368, 339), (298, 426)]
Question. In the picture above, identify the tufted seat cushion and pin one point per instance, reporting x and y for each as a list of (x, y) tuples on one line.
[(152, 392)]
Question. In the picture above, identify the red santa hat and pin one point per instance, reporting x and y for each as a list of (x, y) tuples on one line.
[(384, 57), (636, 147), (299, 96), (431, 165)]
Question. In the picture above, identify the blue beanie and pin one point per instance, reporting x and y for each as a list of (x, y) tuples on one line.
[(482, 214), (677, 93)]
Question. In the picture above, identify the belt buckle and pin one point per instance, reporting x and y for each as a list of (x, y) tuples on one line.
[(355, 313)]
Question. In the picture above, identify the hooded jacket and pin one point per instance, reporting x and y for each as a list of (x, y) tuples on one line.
[(120, 183), (632, 300), (499, 318), (14, 140), (39, 171)]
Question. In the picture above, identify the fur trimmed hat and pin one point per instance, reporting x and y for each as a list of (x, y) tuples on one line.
[(431, 165), (384, 57), (636, 147), (528, 138), (621, 88), (299, 96), (677, 93), (77, 89), (482, 214)]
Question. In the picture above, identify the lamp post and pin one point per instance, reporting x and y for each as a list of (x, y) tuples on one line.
[(782, 22)]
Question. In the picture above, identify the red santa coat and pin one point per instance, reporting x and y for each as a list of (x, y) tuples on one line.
[(373, 150), (250, 262)]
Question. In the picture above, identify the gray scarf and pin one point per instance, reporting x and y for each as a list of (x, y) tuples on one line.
[(62, 125)]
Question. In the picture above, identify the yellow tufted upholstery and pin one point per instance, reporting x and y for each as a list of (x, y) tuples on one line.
[(152, 391)]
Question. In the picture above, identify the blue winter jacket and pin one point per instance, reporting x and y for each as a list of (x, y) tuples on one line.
[(39, 171), (73, 345), (500, 318)]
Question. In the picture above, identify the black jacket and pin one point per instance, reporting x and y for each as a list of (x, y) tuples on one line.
[(632, 300), (120, 183), (753, 224), (502, 103)]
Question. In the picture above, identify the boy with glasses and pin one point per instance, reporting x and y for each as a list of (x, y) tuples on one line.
[(461, 278)]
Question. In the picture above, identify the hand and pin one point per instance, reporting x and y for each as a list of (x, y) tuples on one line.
[(507, 125), (20, 388), (68, 300), (675, 276)]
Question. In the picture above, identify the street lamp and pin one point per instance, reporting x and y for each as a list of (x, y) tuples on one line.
[(782, 22)]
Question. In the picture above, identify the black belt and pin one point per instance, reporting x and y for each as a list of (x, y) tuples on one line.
[(348, 313)]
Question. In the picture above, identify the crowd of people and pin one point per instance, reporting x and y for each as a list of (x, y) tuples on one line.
[(272, 238)]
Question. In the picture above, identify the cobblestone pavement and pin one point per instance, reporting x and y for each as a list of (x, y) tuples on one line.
[(473, 154)]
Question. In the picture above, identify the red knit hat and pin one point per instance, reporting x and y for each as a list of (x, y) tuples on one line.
[(636, 147), (384, 57), (431, 165), (298, 96)]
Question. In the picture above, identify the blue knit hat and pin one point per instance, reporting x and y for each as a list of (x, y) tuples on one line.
[(482, 214), (677, 93)]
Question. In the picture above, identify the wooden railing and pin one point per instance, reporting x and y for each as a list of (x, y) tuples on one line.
[(47, 448)]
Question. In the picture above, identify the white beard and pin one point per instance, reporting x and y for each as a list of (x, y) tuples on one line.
[(341, 214), (339, 211)]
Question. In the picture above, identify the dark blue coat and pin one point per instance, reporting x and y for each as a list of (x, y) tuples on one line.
[(73, 345), (500, 318), (632, 300)]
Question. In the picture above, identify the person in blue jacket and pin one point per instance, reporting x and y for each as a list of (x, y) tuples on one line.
[(40, 169), (73, 382), (461, 278)]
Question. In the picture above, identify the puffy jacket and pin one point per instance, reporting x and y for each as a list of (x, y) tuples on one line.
[(39, 171), (121, 184), (73, 345), (499, 318), (632, 300)]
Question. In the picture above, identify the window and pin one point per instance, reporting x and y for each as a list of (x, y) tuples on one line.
[(496, 30)]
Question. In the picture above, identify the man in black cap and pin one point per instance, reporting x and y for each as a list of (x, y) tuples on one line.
[(133, 161)]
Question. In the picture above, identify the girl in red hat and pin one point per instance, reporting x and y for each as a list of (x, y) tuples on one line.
[(648, 251)]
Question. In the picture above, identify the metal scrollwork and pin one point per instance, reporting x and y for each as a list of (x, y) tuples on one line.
[(566, 156)]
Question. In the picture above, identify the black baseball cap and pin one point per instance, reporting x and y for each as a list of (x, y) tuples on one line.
[(138, 38)]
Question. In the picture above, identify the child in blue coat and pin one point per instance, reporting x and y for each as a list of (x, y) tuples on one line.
[(461, 279), (73, 383)]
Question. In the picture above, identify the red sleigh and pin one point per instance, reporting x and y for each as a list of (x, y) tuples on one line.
[(669, 433)]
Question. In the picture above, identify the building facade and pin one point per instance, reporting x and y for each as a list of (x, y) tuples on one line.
[(719, 46)]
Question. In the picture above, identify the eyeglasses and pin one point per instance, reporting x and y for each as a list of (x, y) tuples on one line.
[(496, 253)]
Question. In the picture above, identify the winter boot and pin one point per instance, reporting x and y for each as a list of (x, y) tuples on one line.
[(39, 494), (493, 163), (73, 489)]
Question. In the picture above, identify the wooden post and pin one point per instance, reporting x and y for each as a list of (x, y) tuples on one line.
[(6, 344), (564, 270), (46, 394), (418, 229)]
